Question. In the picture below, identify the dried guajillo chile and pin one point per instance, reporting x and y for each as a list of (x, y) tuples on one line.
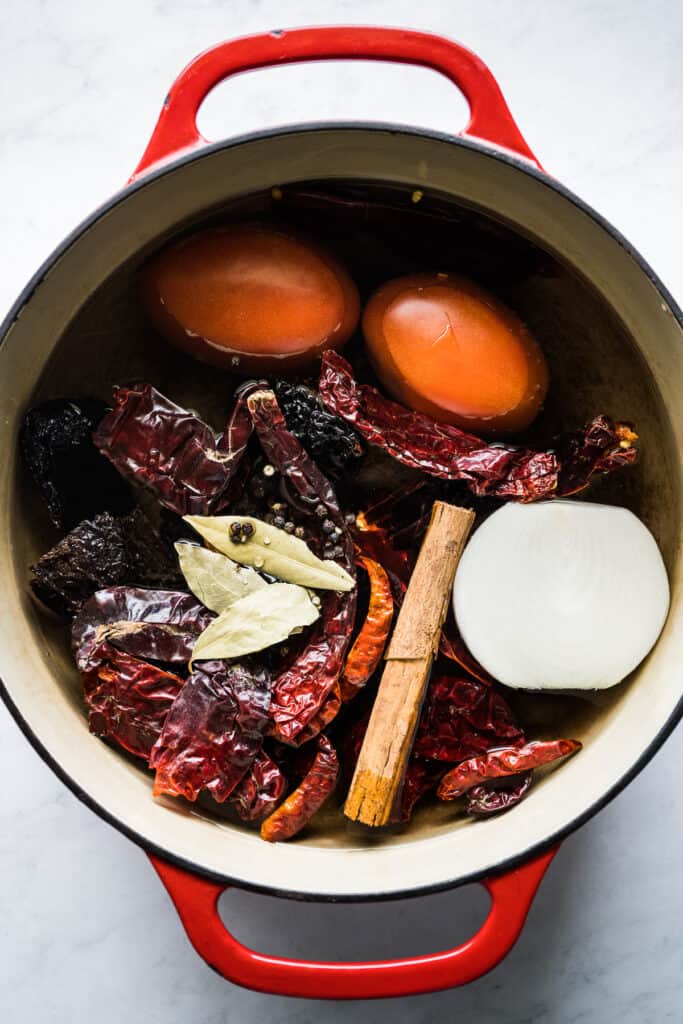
[(497, 470), (368, 647), (213, 732), (300, 691), (462, 718), (161, 625), (260, 790), (74, 480), (501, 762), (171, 452), (498, 795), (128, 699), (316, 786)]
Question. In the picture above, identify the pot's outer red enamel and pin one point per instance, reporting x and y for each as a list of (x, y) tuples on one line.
[(489, 163)]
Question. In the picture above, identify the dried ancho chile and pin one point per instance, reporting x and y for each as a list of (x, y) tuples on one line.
[(128, 699), (301, 805), (213, 731), (497, 470), (498, 795), (99, 553), (333, 444), (161, 625), (75, 481), (171, 451)]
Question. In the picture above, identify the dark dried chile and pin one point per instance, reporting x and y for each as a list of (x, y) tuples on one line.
[(161, 625), (499, 470), (300, 691), (498, 795), (260, 790), (171, 451), (213, 731), (421, 777), (328, 439), (368, 647), (301, 805), (462, 718), (501, 762), (102, 552), (75, 481), (128, 699)]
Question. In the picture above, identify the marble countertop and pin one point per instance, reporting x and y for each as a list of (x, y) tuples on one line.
[(86, 932)]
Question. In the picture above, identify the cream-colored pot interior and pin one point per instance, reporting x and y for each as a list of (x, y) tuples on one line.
[(616, 347)]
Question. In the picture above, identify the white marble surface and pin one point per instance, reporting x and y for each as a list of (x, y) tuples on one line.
[(86, 932)]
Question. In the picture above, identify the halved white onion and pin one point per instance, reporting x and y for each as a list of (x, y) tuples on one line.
[(561, 595)]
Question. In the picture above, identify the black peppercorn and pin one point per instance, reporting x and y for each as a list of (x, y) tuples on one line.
[(247, 529), (328, 551), (289, 527), (279, 521), (327, 526), (337, 551), (299, 532), (321, 511), (350, 519)]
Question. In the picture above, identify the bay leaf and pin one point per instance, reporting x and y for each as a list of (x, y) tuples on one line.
[(273, 551), (215, 580), (261, 619)]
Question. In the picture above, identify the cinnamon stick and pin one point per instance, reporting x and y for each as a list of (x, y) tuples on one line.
[(389, 738)]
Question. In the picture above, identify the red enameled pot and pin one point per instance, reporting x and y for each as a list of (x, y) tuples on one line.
[(613, 338)]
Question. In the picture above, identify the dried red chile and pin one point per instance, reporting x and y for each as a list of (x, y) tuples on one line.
[(498, 796), (260, 790), (75, 481), (171, 451), (498, 470), (461, 718), (501, 762), (307, 799), (128, 699), (213, 731), (161, 625), (300, 691)]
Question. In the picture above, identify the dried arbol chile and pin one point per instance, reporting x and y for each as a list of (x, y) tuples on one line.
[(300, 806), (171, 451), (501, 762), (128, 699), (260, 790), (461, 718), (213, 731), (300, 691), (161, 625), (368, 647), (498, 470)]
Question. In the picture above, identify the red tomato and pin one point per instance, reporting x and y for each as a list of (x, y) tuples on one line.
[(250, 298), (446, 347)]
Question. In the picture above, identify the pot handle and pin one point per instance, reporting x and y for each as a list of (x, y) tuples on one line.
[(196, 901), (490, 120)]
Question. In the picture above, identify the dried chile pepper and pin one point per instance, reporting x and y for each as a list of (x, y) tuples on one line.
[(75, 481), (421, 777), (128, 699), (328, 439), (325, 714), (452, 646), (441, 450), (260, 790), (462, 718), (102, 552), (213, 731), (300, 691), (499, 795), (501, 762), (368, 647), (161, 625), (171, 451), (301, 805)]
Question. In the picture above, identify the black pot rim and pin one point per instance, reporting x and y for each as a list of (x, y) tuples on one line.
[(493, 153)]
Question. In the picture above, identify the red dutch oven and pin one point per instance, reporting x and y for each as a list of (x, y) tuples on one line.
[(614, 340)]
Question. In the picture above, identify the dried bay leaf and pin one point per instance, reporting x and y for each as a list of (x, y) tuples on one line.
[(261, 619), (215, 580), (272, 551)]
